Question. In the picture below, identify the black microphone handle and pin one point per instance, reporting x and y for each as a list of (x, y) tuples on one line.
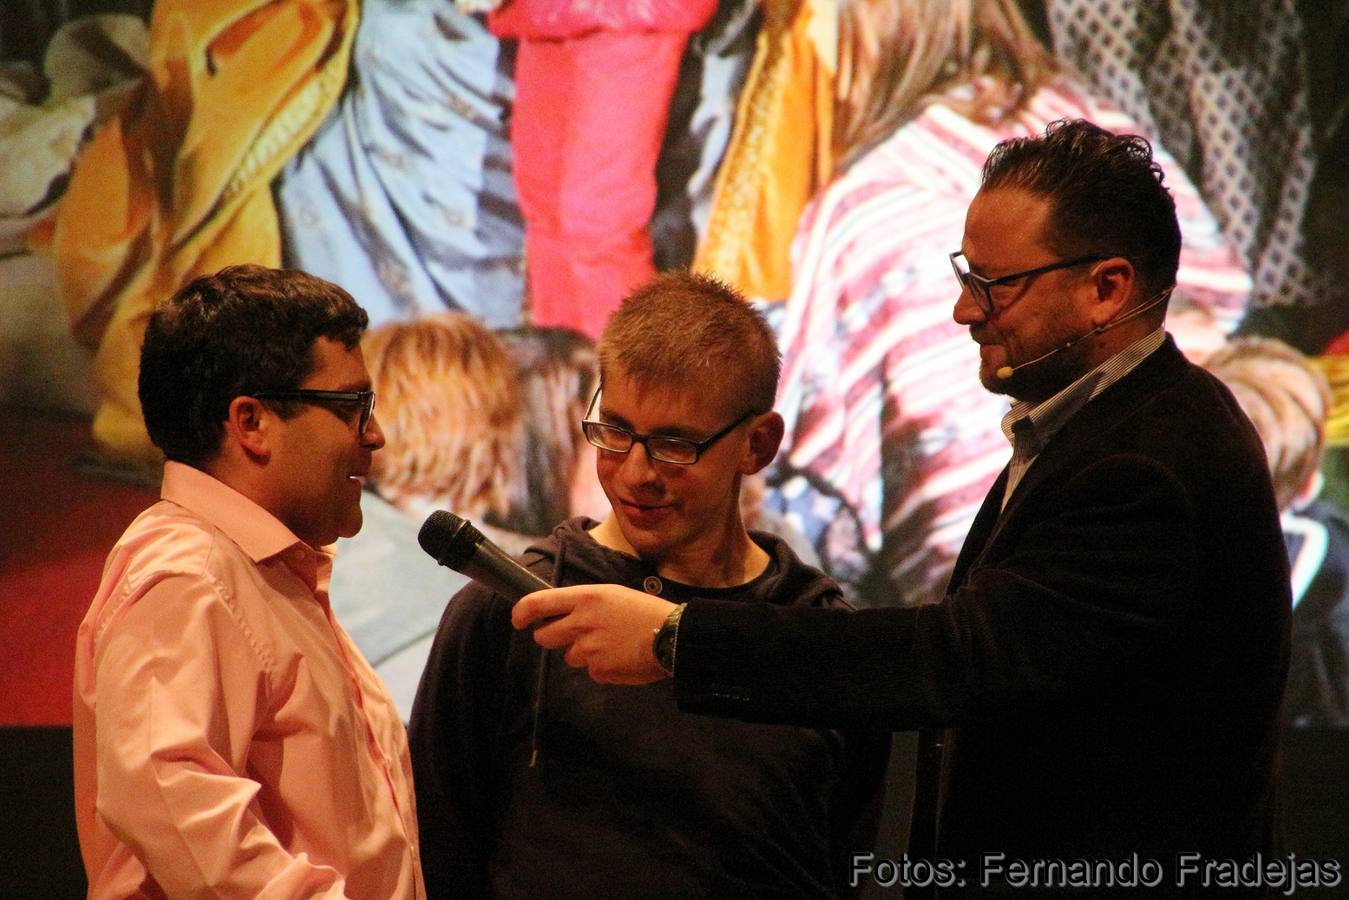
[(453, 542), (490, 566)]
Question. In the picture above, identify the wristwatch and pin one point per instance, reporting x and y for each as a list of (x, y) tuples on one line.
[(665, 638)]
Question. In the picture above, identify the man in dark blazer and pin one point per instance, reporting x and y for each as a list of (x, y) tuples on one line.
[(1099, 688)]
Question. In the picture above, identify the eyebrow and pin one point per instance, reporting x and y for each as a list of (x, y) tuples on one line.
[(359, 385), (981, 269), (976, 269), (674, 431)]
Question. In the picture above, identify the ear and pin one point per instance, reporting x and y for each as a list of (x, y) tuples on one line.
[(249, 427), (765, 437), (1112, 284)]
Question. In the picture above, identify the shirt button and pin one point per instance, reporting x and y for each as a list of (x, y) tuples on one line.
[(652, 585)]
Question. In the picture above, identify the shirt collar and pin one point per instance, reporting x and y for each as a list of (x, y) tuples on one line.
[(258, 533), (1028, 427)]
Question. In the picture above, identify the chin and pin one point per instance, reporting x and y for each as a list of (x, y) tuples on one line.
[(641, 541), (992, 383), (352, 525), (647, 545)]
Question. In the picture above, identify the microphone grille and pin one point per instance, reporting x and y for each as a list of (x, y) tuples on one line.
[(449, 539)]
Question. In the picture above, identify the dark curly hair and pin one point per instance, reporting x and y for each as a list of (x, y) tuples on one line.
[(1106, 193), (245, 329)]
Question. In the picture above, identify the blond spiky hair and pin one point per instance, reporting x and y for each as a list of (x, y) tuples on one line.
[(690, 332)]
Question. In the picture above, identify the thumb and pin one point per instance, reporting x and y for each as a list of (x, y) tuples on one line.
[(546, 604)]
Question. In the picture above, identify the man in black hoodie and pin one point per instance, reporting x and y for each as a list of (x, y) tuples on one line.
[(532, 781)]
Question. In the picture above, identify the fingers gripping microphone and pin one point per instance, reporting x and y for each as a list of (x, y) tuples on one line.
[(1006, 372), (454, 542)]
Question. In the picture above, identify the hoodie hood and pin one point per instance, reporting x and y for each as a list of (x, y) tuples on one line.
[(570, 556)]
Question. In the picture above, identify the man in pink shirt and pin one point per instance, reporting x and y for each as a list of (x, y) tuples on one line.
[(230, 740)]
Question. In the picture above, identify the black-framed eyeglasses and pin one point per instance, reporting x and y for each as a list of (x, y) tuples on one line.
[(981, 288), (666, 448), (366, 399)]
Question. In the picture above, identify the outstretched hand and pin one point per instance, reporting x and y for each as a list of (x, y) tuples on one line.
[(606, 629)]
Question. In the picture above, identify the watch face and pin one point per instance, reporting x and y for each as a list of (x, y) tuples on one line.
[(664, 644)]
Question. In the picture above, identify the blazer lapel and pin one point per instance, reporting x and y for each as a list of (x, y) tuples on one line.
[(981, 529), (1089, 424)]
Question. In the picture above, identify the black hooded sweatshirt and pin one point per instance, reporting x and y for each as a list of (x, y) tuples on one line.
[(534, 782)]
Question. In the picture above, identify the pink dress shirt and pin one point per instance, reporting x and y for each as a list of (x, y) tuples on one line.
[(230, 740)]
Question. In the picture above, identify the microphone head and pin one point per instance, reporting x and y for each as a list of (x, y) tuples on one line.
[(449, 539), (1005, 372)]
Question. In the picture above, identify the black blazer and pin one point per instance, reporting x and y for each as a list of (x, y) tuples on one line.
[(1107, 662)]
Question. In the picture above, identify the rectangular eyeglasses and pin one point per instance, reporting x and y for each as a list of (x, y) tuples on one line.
[(666, 448), (981, 288), (366, 399)]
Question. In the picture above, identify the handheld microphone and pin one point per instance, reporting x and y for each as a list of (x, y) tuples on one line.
[(454, 542), (1005, 372)]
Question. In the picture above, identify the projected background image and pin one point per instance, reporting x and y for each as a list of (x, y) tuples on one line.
[(489, 185)]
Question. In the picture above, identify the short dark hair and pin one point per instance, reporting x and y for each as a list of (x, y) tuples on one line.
[(692, 331), (245, 329), (1106, 191)]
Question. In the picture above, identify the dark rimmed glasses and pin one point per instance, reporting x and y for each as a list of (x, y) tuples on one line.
[(981, 288), (366, 399), (663, 447)]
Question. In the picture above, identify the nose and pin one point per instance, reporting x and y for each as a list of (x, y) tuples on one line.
[(966, 311), (637, 467), (374, 435)]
